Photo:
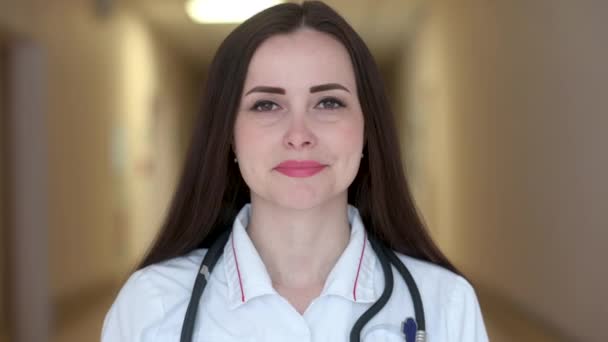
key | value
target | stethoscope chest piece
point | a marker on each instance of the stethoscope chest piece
(409, 328)
(411, 332)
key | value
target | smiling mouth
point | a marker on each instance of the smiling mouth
(300, 169)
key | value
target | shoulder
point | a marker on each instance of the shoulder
(438, 281)
(144, 297)
(161, 278)
(449, 298)
(173, 274)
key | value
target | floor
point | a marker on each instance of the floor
(506, 323)
(86, 324)
(503, 323)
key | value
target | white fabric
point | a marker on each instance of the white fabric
(240, 304)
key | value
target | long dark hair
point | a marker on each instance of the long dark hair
(211, 190)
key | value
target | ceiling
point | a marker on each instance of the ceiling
(383, 24)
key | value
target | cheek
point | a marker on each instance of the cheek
(245, 138)
(252, 145)
(350, 138)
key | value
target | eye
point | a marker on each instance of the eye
(264, 106)
(330, 103)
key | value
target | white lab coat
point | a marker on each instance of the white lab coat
(240, 303)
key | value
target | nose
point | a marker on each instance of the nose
(299, 135)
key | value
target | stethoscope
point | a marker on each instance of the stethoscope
(413, 329)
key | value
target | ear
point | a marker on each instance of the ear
(233, 148)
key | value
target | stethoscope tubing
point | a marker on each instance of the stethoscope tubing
(204, 272)
(355, 332)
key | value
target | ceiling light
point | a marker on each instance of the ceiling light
(225, 11)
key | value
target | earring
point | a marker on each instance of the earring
(235, 160)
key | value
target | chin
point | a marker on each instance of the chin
(300, 195)
(303, 199)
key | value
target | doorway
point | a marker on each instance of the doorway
(24, 282)
(3, 195)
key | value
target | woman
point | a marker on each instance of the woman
(295, 165)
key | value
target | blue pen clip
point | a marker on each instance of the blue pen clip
(409, 329)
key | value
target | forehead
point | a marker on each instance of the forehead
(302, 58)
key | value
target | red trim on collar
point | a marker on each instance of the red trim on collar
(238, 271)
(359, 267)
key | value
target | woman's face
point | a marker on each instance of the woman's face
(299, 129)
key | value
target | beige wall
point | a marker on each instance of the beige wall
(155, 91)
(105, 153)
(511, 101)
(423, 125)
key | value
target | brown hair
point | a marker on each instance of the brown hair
(211, 190)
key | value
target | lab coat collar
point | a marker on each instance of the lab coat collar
(352, 278)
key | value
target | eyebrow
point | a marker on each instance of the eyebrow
(328, 86)
(313, 89)
(265, 89)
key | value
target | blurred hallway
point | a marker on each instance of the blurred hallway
(501, 107)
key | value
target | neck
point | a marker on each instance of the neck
(299, 247)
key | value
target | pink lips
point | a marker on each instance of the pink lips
(303, 168)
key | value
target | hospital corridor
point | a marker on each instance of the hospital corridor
(501, 108)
